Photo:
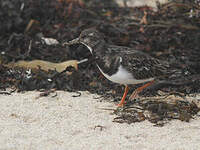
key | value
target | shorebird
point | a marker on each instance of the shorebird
(120, 64)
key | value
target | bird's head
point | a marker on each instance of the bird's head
(91, 38)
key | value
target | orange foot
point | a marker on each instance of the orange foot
(124, 96)
(140, 89)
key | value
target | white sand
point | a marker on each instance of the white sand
(73, 123)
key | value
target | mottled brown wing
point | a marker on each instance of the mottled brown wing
(143, 66)
(140, 64)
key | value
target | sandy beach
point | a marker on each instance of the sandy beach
(30, 122)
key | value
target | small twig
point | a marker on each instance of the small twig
(29, 48)
(46, 93)
(78, 94)
(5, 92)
(133, 107)
(113, 109)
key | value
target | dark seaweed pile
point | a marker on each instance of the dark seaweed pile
(172, 34)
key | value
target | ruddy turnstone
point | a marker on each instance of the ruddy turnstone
(120, 64)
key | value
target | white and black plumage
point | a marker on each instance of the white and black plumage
(120, 64)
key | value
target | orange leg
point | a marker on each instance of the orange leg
(124, 96)
(140, 89)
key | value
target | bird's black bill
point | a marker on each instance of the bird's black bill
(74, 41)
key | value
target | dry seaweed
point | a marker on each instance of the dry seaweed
(157, 110)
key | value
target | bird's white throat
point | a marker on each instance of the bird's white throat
(88, 47)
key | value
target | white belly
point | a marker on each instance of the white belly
(123, 77)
